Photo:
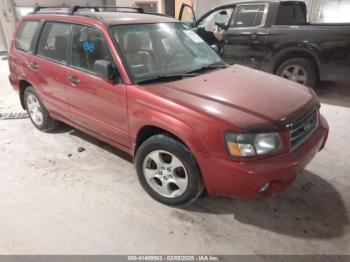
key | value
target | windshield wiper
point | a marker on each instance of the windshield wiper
(208, 67)
(191, 73)
(162, 78)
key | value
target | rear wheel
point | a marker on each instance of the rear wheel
(168, 171)
(37, 112)
(299, 70)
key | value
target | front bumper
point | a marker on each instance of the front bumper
(223, 177)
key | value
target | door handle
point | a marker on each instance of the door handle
(74, 80)
(34, 66)
(254, 37)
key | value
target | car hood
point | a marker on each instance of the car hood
(241, 96)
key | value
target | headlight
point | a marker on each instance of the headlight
(249, 145)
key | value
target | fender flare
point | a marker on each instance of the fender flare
(186, 133)
(307, 50)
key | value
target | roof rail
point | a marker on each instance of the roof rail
(73, 9)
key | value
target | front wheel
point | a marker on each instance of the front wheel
(168, 171)
(299, 70)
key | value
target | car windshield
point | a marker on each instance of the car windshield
(163, 51)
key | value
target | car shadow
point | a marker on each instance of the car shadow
(62, 128)
(334, 93)
(113, 150)
(310, 208)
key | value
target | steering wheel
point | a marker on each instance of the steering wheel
(151, 55)
(222, 26)
(176, 58)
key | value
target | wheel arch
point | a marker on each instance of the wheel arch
(148, 131)
(143, 127)
(305, 53)
(22, 85)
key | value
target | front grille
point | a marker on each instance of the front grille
(303, 129)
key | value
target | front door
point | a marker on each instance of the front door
(97, 104)
(245, 37)
(238, 32)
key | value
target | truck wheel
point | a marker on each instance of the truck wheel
(299, 70)
(168, 171)
(37, 112)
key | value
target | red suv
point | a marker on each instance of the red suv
(150, 86)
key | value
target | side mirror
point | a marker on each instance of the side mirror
(104, 69)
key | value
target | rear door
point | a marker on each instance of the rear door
(244, 39)
(21, 52)
(50, 65)
(95, 103)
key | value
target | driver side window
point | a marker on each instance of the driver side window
(88, 46)
(220, 18)
(249, 15)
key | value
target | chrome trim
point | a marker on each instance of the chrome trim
(296, 127)
(264, 18)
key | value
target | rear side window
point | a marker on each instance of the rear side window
(26, 34)
(291, 14)
(251, 15)
(88, 46)
(53, 41)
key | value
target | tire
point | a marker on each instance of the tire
(168, 187)
(294, 70)
(33, 101)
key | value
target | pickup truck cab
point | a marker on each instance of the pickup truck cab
(150, 86)
(275, 37)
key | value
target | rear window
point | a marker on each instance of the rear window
(291, 14)
(26, 34)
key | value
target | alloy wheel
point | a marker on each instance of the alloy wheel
(34, 110)
(296, 74)
(165, 174)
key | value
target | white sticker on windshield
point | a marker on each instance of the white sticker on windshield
(194, 37)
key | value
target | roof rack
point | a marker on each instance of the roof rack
(73, 9)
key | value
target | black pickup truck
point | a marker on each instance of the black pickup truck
(274, 36)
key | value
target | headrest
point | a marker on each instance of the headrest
(132, 42)
(101, 50)
(60, 43)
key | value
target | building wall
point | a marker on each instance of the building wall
(178, 4)
(131, 3)
(62, 2)
(333, 11)
(7, 23)
(2, 41)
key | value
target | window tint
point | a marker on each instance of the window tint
(25, 35)
(88, 47)
(249, 16)
(291, 14)
(53, 41)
